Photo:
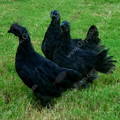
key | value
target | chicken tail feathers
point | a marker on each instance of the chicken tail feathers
(105, 64)
(93, 35)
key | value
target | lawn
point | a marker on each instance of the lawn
(99, 102)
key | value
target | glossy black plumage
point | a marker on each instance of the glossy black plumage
(44, 77)
(87, 58)
(52, 37)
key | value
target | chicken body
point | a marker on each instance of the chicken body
(44, 77)
(88, 57)
(52, 38)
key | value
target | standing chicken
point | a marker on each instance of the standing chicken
(84, 61)
(87, 58)
(52, 37)
(45, 78)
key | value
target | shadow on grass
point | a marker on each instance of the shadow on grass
(41, 103)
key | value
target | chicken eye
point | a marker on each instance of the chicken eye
(24, 36)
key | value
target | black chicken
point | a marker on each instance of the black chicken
(88, 59)
(45, 78)
(52, 37)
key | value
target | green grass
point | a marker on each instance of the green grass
(99, 102)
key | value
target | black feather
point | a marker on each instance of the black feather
(80, 55)
(43, 76)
